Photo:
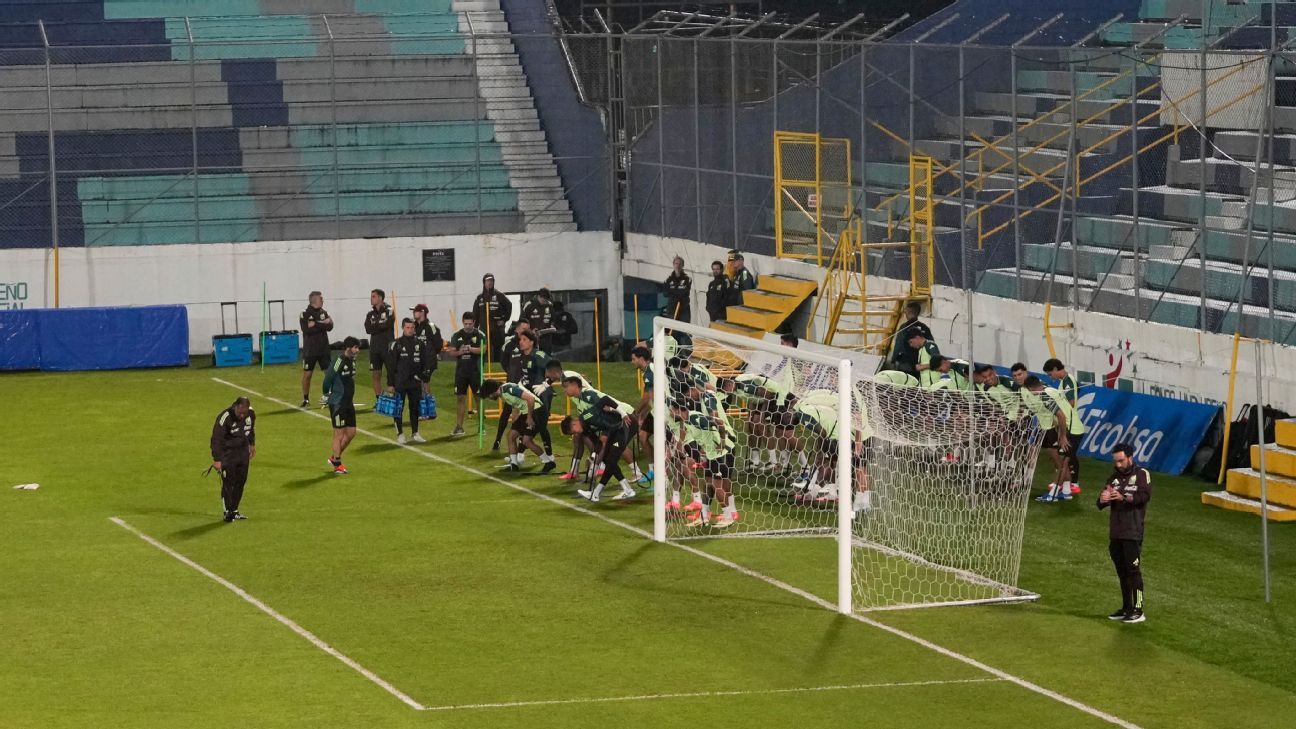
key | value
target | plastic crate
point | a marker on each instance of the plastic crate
(232, 350)
(427, 408)
(279, 347)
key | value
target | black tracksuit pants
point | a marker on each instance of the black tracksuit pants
(233, 478)
(413, 396)
(1126, 556)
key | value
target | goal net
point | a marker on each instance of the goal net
(800, 461)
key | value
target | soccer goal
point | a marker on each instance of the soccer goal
(920, 494)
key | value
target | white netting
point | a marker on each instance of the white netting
(939, 478)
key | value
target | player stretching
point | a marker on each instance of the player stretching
(339, 388)
(532, 420)
(1051, 409)
(705, 448)
(554, 375)
(588, 401)
(603, 418)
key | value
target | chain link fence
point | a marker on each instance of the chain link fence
(1137, 180)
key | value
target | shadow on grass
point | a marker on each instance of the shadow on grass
(302, 483)
(194, 532)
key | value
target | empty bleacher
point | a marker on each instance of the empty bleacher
(183, 121)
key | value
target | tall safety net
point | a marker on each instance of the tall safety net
(929, 487)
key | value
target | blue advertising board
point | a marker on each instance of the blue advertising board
(1164, 433)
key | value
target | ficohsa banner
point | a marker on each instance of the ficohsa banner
(1164, 433)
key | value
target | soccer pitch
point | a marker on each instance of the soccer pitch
(428, 589)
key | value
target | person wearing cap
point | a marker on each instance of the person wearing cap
(679, 290)
(430, 335)
(539, 313)
(741, 280)
(492, 310)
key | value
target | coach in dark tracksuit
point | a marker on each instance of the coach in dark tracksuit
(1126, 494)
(409, 364)
(315, 327)
(233, 445)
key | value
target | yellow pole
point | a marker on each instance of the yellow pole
(598, 347)
(1228, 410)
(1048, 332)
(56, 277)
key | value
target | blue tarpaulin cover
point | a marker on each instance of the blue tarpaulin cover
(95, 338)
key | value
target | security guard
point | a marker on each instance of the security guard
(233, 445)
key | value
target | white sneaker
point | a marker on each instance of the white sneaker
(418, 438)
(625, 494)
(401, 439)
(587, 495)
(723, 522)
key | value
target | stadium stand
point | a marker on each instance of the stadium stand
(436, 131)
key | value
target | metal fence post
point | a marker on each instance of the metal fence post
(661, 140)
(733, 139)
(53, 168)
(697, 142)
(193, 126)
(476, 89)
(1134, 190)
(863, 209)
(333, 128)
(1264, 474)
(1201, 168)
(1077, 170)
(1269, 247)
(961, 181)
(1016, 167)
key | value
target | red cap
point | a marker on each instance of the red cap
(420, 307)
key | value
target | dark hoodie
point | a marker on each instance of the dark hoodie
(501, 310)
(231, 437)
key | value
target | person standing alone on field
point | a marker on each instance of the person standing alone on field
(233, 446)
(315, 326)
(1126, 495)
(379, 325)
(339, 388)
(679, 290)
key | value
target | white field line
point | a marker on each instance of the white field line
(294, 627)
(707, 694)
(968, 660)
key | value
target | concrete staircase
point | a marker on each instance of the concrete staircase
(767, 306)
(507, 102)
(1242, 487)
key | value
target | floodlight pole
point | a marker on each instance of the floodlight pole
(1264, 475)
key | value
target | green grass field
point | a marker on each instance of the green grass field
(497, 600)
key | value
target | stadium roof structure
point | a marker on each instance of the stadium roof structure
(698, 24)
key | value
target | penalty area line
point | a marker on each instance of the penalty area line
(955, 655)
(708, 694)
(289, 622)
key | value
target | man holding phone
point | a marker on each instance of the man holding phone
(1126, 497)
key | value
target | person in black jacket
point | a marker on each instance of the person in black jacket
(717, 293)
(679, 292)
(500, 309)
(565, 323)
(742, 280)
(233, 446)
(539, 314)
(429, 334)
(379, 323)
(903, 357)
(1126, 495)
(407, 369)
(315, 326)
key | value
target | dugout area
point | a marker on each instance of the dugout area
(492, 603)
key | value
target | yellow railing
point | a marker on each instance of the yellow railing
(806, 167)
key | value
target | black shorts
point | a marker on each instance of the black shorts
(344, 415)
(1051, 441)
(376, 360)
(720, 467)
(466, 380)
(310, 361)
(540, 419)
(647, 424)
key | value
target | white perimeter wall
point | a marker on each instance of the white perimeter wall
(1161, 360)
(202, 276)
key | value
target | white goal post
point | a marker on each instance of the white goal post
(923, 492)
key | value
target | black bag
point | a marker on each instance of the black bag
(1244, 433)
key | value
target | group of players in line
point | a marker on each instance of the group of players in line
(702, 436)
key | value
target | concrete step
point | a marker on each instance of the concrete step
(725, 326)
(1233, 502)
